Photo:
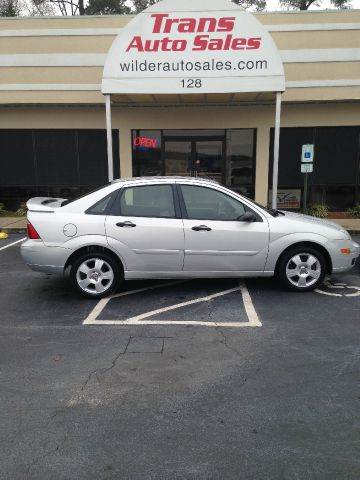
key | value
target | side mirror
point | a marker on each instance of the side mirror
(248, 217)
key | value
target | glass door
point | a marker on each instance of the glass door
(209, 159)
(196, 158)
(178, 157)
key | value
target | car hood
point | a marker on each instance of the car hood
(312, 220)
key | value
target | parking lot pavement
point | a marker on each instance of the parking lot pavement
(109, 400)
(12, 239)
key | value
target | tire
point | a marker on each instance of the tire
(301, 269)
(95, 275)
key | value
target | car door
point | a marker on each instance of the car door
(216, 240)
(146, 229)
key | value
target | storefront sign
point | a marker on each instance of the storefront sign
(145, 142)
(288, 199)
(193, 46)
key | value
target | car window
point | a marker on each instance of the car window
(207, 204)
(148, 201)
(101, 207)
(78, 197)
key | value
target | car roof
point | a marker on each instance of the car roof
(169, 178)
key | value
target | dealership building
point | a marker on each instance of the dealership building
(194, 87)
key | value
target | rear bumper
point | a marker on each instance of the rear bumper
(343, 262)
(41, 258)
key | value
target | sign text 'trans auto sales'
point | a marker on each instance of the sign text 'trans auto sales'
(202, 27)
(185, 46)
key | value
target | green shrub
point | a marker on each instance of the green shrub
(354, 211)
(21, 211)
(2, 207)
(318, 210)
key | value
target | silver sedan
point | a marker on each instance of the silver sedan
(169, 227)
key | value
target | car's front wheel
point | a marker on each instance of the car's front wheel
(302, 269)
(95, 275)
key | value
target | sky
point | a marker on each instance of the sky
(272, 5)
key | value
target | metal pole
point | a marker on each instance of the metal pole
(276, 150)
(109, 138)
(305, 192)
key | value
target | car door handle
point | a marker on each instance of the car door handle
(126, 224)
(200, 228)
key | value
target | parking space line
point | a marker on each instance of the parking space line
(99, 307)
(249, 306)
(180, 305)
(344, 286)
(13, 243)
(143, 318)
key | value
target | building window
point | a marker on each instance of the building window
(53, 163)
(240, 163)
(335, 179)
(146, 153)
(227, 156)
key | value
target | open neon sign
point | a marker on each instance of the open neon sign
(145, 142)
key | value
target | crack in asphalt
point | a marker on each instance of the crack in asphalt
(224, 342)
(219, 329)
(96, 372)
(45, 454)
(74, 402)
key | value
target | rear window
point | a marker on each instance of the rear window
(71, 200)
(102, 206)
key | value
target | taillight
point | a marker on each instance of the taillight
(32, 233)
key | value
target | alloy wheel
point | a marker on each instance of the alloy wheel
(303, 270)
(94, 276)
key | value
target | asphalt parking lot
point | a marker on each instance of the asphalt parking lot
(215, 379)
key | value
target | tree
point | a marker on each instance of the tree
(107, 7)
(140, 5)
(10, 8)
(79, 7)
(305, 4)
(258, 5)
(66, 7)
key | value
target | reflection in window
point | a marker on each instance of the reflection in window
(240, 171)
(335, 181)
(148, 201)
(177, 158)
(62, 163)
(100, 207)
(146, 153)
(207, 204)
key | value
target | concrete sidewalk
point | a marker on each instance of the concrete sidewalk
(12, 224)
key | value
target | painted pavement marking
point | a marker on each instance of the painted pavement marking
(143, 319)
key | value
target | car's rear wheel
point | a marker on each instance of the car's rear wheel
(302, 269)
(95, 275)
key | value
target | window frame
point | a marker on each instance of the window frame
(185, 214)
(116, 208)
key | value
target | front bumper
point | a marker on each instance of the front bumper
(342, 262)
(42, 258)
